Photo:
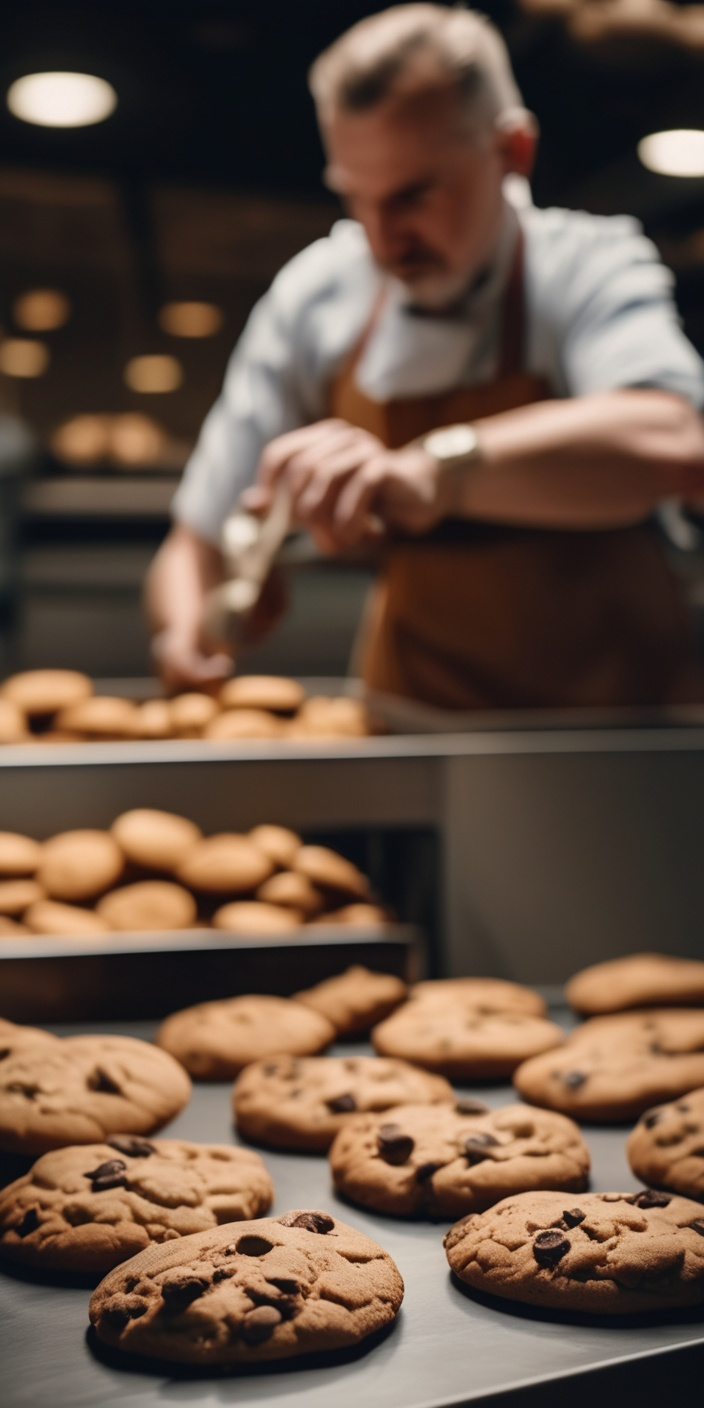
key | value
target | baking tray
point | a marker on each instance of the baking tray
(123, 976)
(446, 1348)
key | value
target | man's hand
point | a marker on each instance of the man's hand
(182, 663)
(343, 480)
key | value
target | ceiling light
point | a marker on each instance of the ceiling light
(22, 356)
(153, 373)
(676, 153)
(41, 310)
(61, 99)
(136, 440)
(191, 319)
(82, 440)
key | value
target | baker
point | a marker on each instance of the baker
(505, 391)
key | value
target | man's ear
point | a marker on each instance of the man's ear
(517, 131)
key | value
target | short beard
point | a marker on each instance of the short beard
(435, 293)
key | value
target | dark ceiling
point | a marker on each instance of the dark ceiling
(212, 95)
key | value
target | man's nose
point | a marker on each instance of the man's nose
(384, 231)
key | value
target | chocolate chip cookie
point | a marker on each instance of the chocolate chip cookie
(214, 1040)
(640, 980)
(88, 1207)
(612, 1068)
(666, 1148)
(355, 1000)
(301, 1102)
(443, 1161)
(79, 1089)
(462, 1042)
(300, 1284)
(606, 1253)
(481, 994)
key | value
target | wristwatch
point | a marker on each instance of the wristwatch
(453, 445)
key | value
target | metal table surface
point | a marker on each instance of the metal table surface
(445, 1348)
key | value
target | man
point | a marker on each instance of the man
(517, 565)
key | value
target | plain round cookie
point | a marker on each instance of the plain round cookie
(148, 905)
(19, 855)
(256, 917)
(88, 1207)
(606, 1253)
(191, 713)
(612, 1068)
(331, 871)
(277, 842)
(244, 723)
(273, 692)
(324, 717)
(53, 917)
(13, 725)
(355, 1000)
(292, 891)
(438, 1161)
(102, 716)
(640, 980)
(666, 1148)
(358, 916)
(264, 1290)
(481, 994)
(17, 895)
(225, 864)
(79, 865)
(38, 692)
(463, 1043)
(301, 1103)
(83, 1089)
(154, 839)
(215, 1040)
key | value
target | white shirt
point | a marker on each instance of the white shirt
(599, 315)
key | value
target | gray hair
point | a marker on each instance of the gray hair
(419, 44)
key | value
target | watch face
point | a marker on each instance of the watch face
(451, 441)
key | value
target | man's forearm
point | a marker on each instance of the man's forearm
(184, 570)
(587, 462)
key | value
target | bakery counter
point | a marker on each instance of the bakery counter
(446, 1348)
(556, 847)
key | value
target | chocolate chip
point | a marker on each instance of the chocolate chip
(132, 1146)
(251, 1245)
(21, 1087)
(683, 1109)
(655, 1049)
(29, 1223)
(271, 1069)
(260, 1324)
(342, 1104)
(697, 1226)
(573, 1079)
(394, 1146)
(285, 1284)
(313, 1222)
(119, 1315)
(651, 1118)
(177, 1295)
(100, 1080)
(426, 1171)
(285, 1305)
(220, 1275)
(475, 1147)
(467, 1105)
(549, 1248)
(111, 1174)
(573, 1216)
(649, 1199)
(4, 1053)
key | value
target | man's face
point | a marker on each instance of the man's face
(428, 194)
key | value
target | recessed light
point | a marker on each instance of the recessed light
(61, 99)
(82, 439)
(191, 319)
(679, 152)
(41, 310)
(153, 373)
(22, 356)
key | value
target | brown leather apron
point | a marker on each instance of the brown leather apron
(483, 616)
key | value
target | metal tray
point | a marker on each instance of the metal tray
(447, 1347)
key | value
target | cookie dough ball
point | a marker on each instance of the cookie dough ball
(148, 905)
(278, 843)
(19, 855)
(191, 713)
(251, 917)
(331, 871)
(103, 716)
(153, 720)
(244, 723)
(225, 864)
(273, 692)
(13, 728)
(79, 865)
(292, 891)
(40, 692)
(154, 839)
(17, 895)
(49, 917)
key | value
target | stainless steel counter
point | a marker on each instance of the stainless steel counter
(447, 1348)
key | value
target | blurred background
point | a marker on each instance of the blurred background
(135, 241)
